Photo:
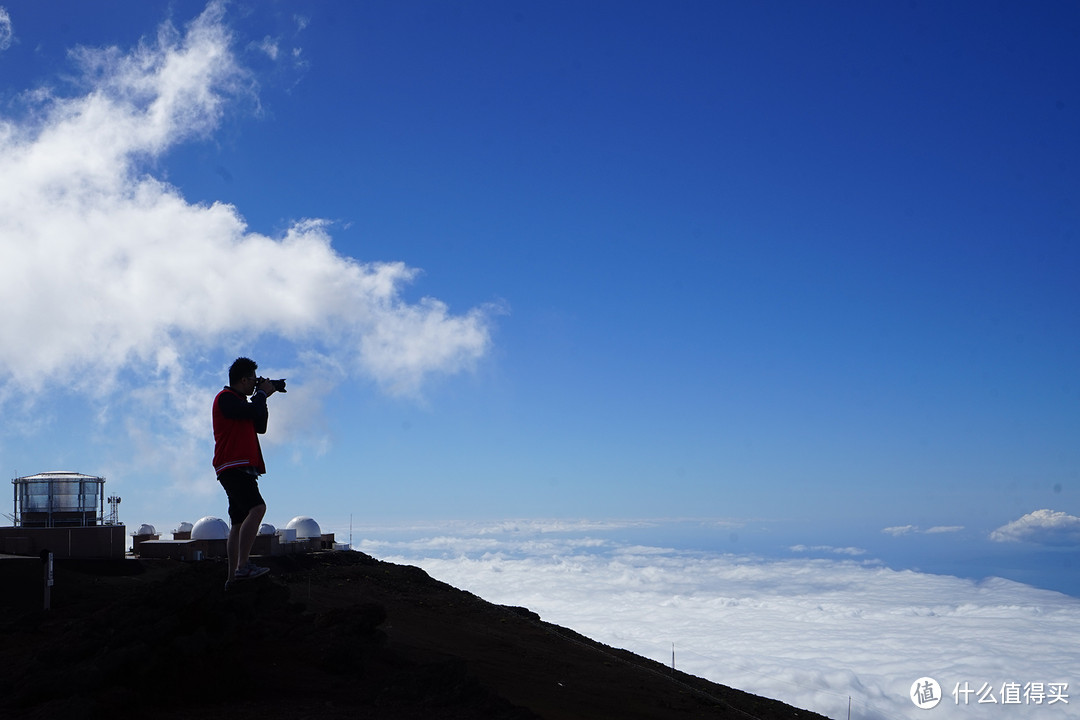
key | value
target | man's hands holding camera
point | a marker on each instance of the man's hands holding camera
(269, 387)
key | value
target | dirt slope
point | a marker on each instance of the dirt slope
(330, 635)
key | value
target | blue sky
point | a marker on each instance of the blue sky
(809, 268)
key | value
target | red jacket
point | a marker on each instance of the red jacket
(237, 426)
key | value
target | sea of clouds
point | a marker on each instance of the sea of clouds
(816, 633)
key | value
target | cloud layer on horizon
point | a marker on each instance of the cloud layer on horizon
(811, 632)
(901, 530)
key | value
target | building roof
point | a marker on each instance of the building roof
(57, 475)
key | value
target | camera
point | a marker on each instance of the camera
(279, 385)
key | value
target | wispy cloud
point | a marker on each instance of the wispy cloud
(812, 632)
(1042, 527)
(267, 45)
(527, 526)
(901, 530)
(517, 528)
(109, 271)
(7, 33)
(852, 551)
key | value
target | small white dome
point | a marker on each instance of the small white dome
(210, 528)
(184, 527)
(145, 529)
(305, 527)
(267, 529)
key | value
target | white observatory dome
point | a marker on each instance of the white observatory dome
(267, 529)
(210, 528)
(145, 529)
(184, 527)
(305, 527)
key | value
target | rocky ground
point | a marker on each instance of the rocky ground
(328, 635)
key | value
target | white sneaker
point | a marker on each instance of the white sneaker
(248, 571)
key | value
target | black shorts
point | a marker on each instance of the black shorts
(242, 489)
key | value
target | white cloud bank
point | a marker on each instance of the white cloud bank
(811, 632)
(116, 289)
(106, 267)
(1042, 527)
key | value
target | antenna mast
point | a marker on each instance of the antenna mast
(114, 509)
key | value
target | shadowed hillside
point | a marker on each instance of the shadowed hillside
(331, 635)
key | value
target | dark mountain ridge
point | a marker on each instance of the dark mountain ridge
(326, 635)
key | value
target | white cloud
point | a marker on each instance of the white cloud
(811, 632)
(852, 551)
(7, 33)
(1042, 527)
(105, 266)
(269, 46)
(526, 526)
(110, 274)
(900, 530)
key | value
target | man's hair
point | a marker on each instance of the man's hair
(241, 368)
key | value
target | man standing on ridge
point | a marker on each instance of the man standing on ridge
(238, 460)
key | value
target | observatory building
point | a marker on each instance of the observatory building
(59, 499)
(63, 512)
(207, 539)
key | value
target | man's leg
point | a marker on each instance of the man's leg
(233, 546)
(245, 536)
(243, 492)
